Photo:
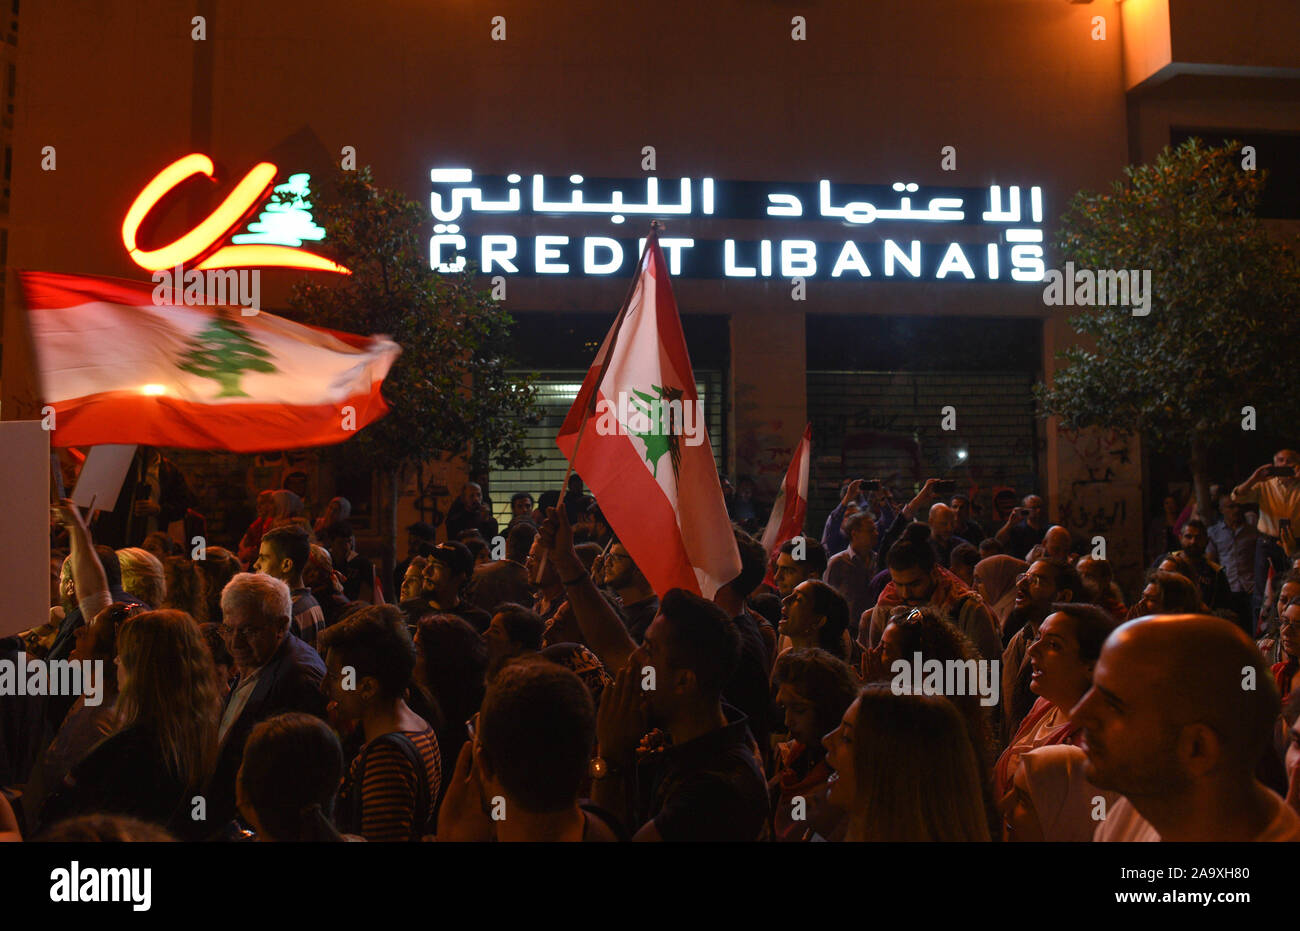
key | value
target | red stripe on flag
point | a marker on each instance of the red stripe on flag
(168, 421)
(54, 291)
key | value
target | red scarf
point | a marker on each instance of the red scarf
(948, 590)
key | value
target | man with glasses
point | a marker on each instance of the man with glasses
(1232, 545)
(1284, 672)
(623, 578)
(277, 672)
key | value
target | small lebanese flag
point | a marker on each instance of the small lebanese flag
(118, 368)
(649, 463)
(791, 505)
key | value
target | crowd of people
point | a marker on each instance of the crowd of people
(527, 682)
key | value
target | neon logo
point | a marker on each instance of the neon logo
(271, 241)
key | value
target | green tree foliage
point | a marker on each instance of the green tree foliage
(1224, 309)
(448, 392)
(223, 351)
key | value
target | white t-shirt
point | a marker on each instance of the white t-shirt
(1124, 824)
(1277, 501)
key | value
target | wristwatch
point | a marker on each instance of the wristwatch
(600, 768)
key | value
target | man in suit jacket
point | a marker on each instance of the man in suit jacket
(278, 672)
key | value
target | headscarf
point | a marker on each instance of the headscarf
(999, 574)
(287, 504)
(1061, 794)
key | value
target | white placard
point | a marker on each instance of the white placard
(24, 525)
(101, 477)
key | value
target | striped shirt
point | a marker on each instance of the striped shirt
(389, 793)
(308, 618)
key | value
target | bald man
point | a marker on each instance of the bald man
(1057, 544)
(1180, 713)
(1024, 527)
(943, 537)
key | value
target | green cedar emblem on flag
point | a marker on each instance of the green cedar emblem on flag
(223, 351)
(662, 436)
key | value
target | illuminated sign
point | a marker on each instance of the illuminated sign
(986, 234)
(271, 241)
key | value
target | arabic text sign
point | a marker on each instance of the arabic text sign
(1001, 228)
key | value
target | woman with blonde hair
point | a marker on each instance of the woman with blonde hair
(905, 770)
(143, 576)
(165, 744)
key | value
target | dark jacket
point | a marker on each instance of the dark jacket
(290, 681)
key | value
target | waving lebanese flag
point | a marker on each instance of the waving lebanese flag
(636, 435)
(791, 505)
(117, 368)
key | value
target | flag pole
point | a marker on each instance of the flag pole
(655, 227)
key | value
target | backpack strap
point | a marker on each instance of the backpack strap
(408, 749)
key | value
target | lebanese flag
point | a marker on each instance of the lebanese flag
(791, 505)
(118, 368)
(654, 478)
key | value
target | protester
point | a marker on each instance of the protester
(967, 527)
(708, 785)
(392, 785)
(1167, 593)
(996, 582)
(420, 540)
(1023, 528)
(85, 725)
(451, 666)
(1284, 671)
(1099, 586)
(962, 562)
(142, 576)
(164, 746)
(917, 580)
(815, 615)
(850, 571)
(1167, 724)
(448, 578)
(283, 554)
(1278, 497)
(813, 690)
(326, 586)
(624, 578)
(531, 749)
(277, 672)
(1051, 798)
(1061, 661)
(1232, 543)
(469, 512)
(514, 631)
(217, 570)
(252, 538)
(1043, 585)
(289, 778)
(1209, 576)
(905, 770)
(359, 578)
(338, 509)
